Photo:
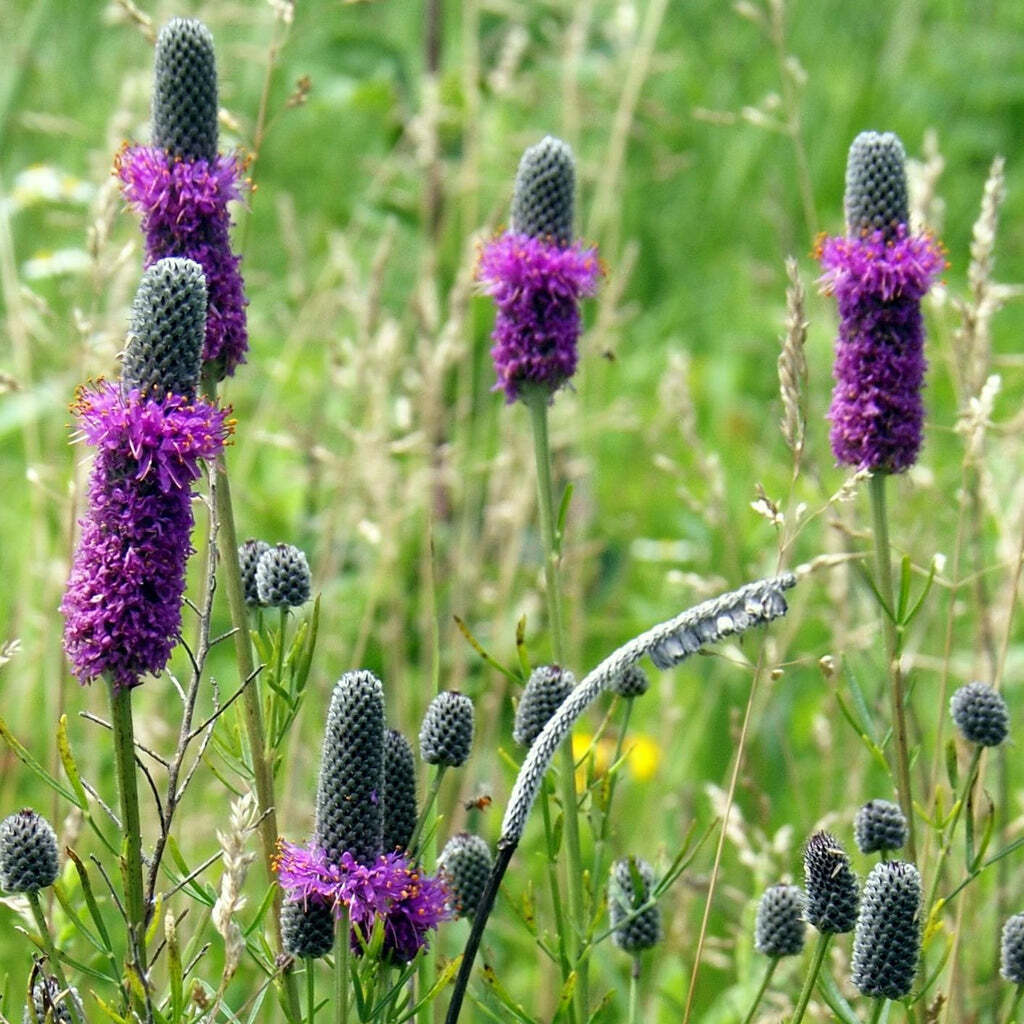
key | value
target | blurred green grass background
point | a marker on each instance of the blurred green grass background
(366, 428)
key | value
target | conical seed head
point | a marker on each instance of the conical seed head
(546, 689)
(979, 712)
(830, 885)
(779, 929)
(307, 928)
(465, 865)
(446, 734)
(185, 91)
(249, 555)
(167, 330)
(28, 853)
(631, 683)
(349, 812)
(876, 184)
(879, 825)
(629, 888)
(542, 203)
(50, 1005)
(887, 943)
(399, 792)
(283, 578)
(1011, 950)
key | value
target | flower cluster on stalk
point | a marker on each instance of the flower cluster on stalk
(393, 890)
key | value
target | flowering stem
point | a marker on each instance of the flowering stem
(765, 982)
(341, 968)
(876, 1014)
(947, 837)
(51, 952)
(893, 643)
(310, 991)
(428, 803)
(1011, 1017)
(556, 895)
(227, 545)
(634, 978)
(812, 976)
(128, 791)
(536, 400)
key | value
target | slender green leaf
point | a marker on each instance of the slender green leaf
(23, 755)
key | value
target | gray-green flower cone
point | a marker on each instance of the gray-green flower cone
(629, 888)
(307, 929)
(185, 91)
(779, 929)
(887, 942)
(465, 864)
(349, 811)
(399, 791)
(876, 184)
(830, 885)
(28, 853)
(446, 733)
(546, 689)
(545, 189)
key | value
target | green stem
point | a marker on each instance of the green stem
(876, 1014)
(227, 545)
(341, 969)
(278, 672)
(536, 399)
(128, 791)
(893, 637)
(947, 835)
(556, 895)
(765, 981)
(812, 976)
(634, 979)
(310, 991)
(51, 952)
(1011, 1017)
(428, 803)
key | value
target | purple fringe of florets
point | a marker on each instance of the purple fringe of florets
(184, 208)
(536, 285)
(122, 605)
(409, 902)
(877, 412)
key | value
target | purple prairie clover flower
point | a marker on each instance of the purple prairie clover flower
(122, 605)
(536, 285)
(393, 890)
(184, 208)
(537, 275)
(878, 276)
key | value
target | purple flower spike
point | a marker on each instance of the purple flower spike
(122, 605)
(877, 412)
(878, 273)
(392, 889)
(184, 208)
(536, 285)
